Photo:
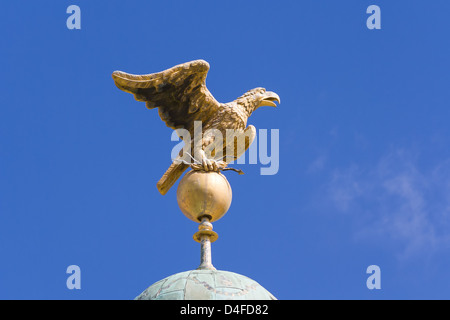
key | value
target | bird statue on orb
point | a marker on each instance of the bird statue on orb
(183, 100)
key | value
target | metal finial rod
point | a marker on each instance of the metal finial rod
(205, 236)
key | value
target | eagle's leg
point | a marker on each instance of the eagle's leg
(208, 164)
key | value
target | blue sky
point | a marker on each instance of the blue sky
(364, 176)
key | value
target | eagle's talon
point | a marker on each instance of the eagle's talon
(210, 165)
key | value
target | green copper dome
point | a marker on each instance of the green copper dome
(206, 285)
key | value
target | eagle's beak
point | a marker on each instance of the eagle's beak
(269, 99)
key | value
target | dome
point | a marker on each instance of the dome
(206, 285)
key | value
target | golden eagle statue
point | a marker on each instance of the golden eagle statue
(182, 99)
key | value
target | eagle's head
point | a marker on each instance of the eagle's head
(258, 97)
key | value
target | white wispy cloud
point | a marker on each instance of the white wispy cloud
(399, 200)
(317, 165)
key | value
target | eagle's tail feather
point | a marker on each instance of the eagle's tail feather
(171, 176)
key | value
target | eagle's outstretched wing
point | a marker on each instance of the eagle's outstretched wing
(180, 93)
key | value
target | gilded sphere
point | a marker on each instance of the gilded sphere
(203, 194)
